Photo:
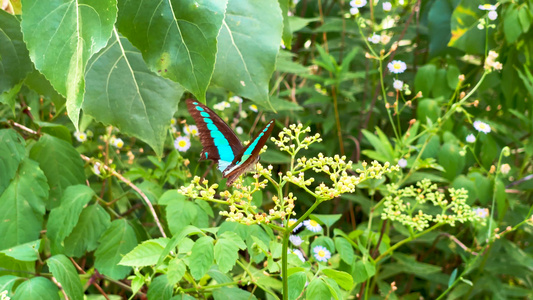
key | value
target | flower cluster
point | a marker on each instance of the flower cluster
(404, 205)
(491, 63)
(293, 133)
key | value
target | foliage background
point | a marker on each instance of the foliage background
(79, 217)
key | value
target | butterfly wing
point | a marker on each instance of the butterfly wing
(219, 142)
(247, 158)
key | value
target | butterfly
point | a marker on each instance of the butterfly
(221, 145)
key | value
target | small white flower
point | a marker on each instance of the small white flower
(296, 240)
(312, 225)
(505, 168)
(481, 212)
(397, 66)
(471, 138)
(236, 99)
(239, 130)
(298, 253)
(253, 108)
(358, 3)
(222, 105)
(482, 127)
(354, 10)
(191, 129)
(401, 2)
(182, 143)
(119, 143)
(493, 15)
(387, 6)
(402, 163)
(80, 136)
(173, 121)
(375, 38)
(96, 168)
(291, 222)
(487, 7)
(243, 114)
(321, 253)
(397, 84)
(385, 39)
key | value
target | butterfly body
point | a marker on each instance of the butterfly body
(221, 145)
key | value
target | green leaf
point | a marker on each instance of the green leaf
(425, 78)
(61, 36)
(22, 205)
(180, 213)
(118, 240)
(122, 92)
(65, 273)
(248, 44)
(145, 254)
(7, 282)
(25, 252)
(439, 26)
(287, 32)
(525, 17)
(160, 288)
(384, 151)
(363, 269)
(318, 290)
(411, 266)
(465, 34)
(327, 220)
(37, 288)
(452, 277)
(15, 61)
(296, 284)
(451, 160)
(12, 152)
(182, 43)
(64, 218)
(226, 250)
(226, 293)
(343, 279)
(11, 266)
(345, 249)
(92, 223)
(61, 164)
(176, 270)
(37, 82)
(10, 97)
(201, 258)
(511, 24)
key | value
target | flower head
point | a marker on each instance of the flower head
(253, 108)
(239, 130)
(222, 105)
(471, 138)
(291, 222)
(321, 253)
(191, 129)
(96, 168)
(80, 136)
(493, 15)
(387, 6)
(482, 127)
(358, 3)
(505, 168)
(402, 163)
(397, 84)
(298, 253)
(182, 143)
(375, 38)
(119, 143)
(481, 212)
(487, 7)
(312, 225)
(296, 240)
(397, 66)
(236, 99)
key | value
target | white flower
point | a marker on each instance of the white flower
(173, 121)
(182, 143)
(291, 222)
(397, 84)
(385, 39)
(96, 168)
(253, 108)
(387, 6)
(505, 168)
(3, 295)
(354, 10)
(119, 143)
(481, 212)
(401, 2)
(296, 240)
(80, 136)
(236, 99)
(321, 253)
(243, 114)
(312, 225)
(471, 138)
(191, 129)
(397, 66)
(298, 253)
(402, 163)
(375, 38)
(482, 127)
(358, 3)
(493, 15)
(487, 7)
(222, 105)
(239, 130)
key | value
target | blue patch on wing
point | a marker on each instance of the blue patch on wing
(204, 114)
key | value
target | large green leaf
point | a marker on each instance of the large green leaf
(296, 284)
(65, 217)
(145, 254)
(118, 240)
(12, 266)
(227, 293)
(15, 62)
(177, 38)
(12, 152)
(65, 273)
(22, 205)
(317, 289)
(123, 92)
(227, 250)
(202, 256)
(37, 288)
(92, 223)
(248, 44)
(439, 26)
(160, 288)
(25, 252)
(465, 34)
(61, 36)
(61, 164)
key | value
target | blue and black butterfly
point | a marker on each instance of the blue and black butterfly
(221, 145)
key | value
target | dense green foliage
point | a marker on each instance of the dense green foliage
(409, 174)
